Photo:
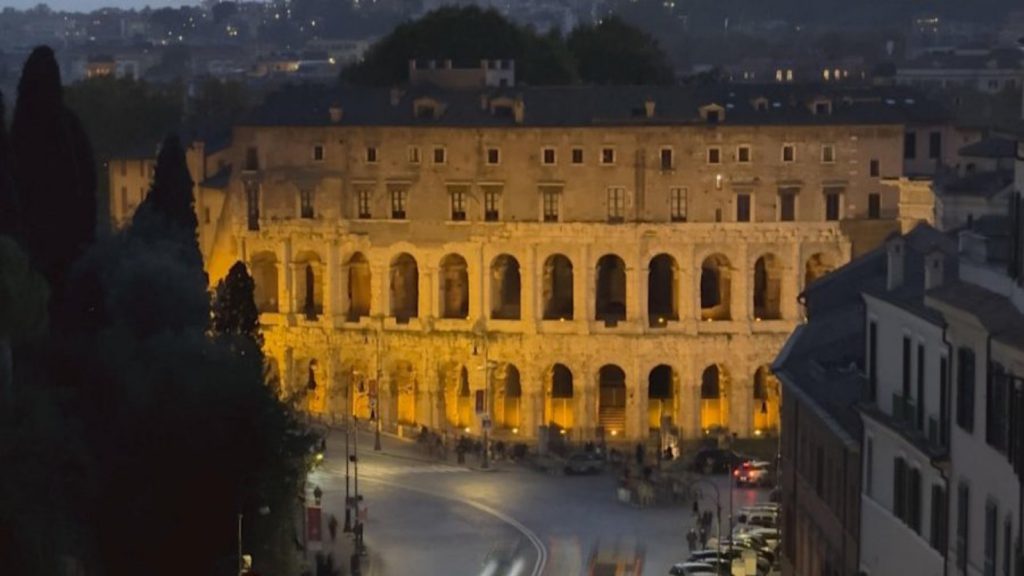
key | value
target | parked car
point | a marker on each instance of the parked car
(754, 473)
(757, 519)
(692, 569)
(584, 463)
(770, 536)
(716, 461)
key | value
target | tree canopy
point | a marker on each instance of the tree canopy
(613, 52)
(234, 305)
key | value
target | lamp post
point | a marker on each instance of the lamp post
(348, 498)
(481, 334)
(376, 396)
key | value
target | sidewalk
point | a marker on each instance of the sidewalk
(393, 446)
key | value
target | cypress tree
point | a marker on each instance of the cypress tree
(53, 169)
(8, 206)
(234, 305)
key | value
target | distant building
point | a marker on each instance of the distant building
(981, 184)
(490, 73)
(984, 70)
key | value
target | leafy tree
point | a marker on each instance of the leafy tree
(218, 105)
(613, 52)
(8, 203)
(54, 174)
(234, 305)
(23, 297)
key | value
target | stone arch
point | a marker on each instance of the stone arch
(506, 288)
(611, 404)
(715, 288)
(265, 276)
(766, 403)
(402, 386)
(457, 395)
(508, 397)
(818, 265)
(559, 409)
(558, 288)
(309, 284)
(404, 288)
(662, 290)
(610, 304)
(768, 287)
(454, 278)
(714, 398)
(358, 286)
(359, 389)
(661, 392)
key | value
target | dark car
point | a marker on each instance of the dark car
(584, 463)
(716, 461)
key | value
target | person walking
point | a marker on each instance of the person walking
(691, 539)
(703, 537)
(332, 527)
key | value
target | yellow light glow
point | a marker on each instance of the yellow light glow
(615, 432)
(562, 432)
(758, 432)
(515, 430)
(466, 429)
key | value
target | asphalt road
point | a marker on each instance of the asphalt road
(430, 518)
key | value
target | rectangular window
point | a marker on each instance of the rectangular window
(743, 207)
(414, 154)
(550, 198)
(252, 158)
(548, 156)
(965, 389)
(666, 159)
(363, 203)
(206, 214)
(677, 204)
(905, 380)
(899, 488)
(124, 200)
(997, 400)
(914, 499)
(869, 466)
(440, 155)
(909, 146)
(940, 523)
(607, 156)
(493, 156)
(832, 206)
(874, 206)
(399, 195)
(963, 510)
(787, 206)
(944, 401)
(306, 203)
(318, 153)
(788, 153)
(828, 153)
(458, 200)
(577, 155)
(371, 154)
(252, 205)
(1007, 545)
(492, 203)
(934, 145)
(743, 154)
(919, 398)
(873, 361)
(874, 168)
(714, 155)
(991, 536)
(616, 204)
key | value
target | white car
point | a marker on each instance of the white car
(692, 569)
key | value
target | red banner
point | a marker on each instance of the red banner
(313, 524)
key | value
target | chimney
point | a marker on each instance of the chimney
(896, 253)
(649, 108)
(335, 113)
(934, 270)
(519, 110)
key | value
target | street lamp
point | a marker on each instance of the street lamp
(481, 333)
(376, 393)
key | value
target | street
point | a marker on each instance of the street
(428, 518)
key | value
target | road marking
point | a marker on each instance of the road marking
(542, 552)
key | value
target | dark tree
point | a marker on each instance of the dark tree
(170, 195)
(613, 52)
(8, 203)
(234, 305)
(54, 174)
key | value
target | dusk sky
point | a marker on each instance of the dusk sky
(89, 5)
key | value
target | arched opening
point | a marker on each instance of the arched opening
(359, 391)
(264, 275)
(560, 394)
(454, 287)
(358, 287)
(660, 393)
(611, 289)
(314, 386)
(768, 288)
(505, 288)
(766, 401)
(662, 290)
(403, 393)
(508, 397)
(611, 408)
(309, 285)
(404, 288)
(714, 399)
(817, 266)
(715, 288)
(457, 397)
(558, 299)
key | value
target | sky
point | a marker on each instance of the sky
(90, 5)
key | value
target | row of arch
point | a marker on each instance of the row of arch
(557, 286)
(560, 396)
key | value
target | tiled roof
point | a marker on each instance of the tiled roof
(1003, 321)
(992, 147)
(554, 106)
(981, 184)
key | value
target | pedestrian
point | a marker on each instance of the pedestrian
(703, 538)
(639, 454)
(332, 527)
(691, 539)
